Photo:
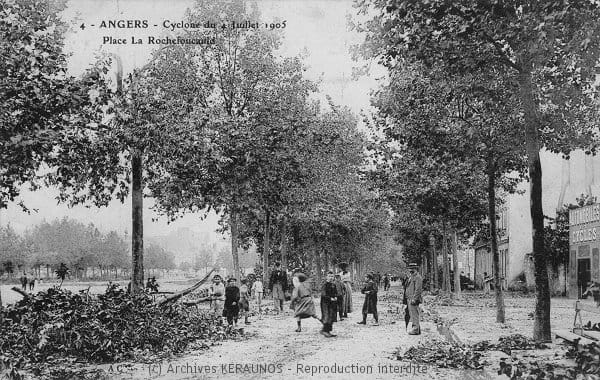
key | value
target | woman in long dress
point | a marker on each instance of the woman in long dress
(302, 302)
(370, 304)
(347, 301)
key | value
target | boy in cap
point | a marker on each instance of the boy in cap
(329, 305)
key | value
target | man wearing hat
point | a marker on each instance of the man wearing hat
(278, 285)
(414, 289)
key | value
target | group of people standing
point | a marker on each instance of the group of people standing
(336, 299)
(227, 300)
(230, 300)
(27, 281)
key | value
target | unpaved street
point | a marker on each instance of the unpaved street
(271, 342)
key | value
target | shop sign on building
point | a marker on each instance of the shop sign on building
(584, 243)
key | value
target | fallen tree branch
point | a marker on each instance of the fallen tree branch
(196, 302)
(21, 292)
(178, 295)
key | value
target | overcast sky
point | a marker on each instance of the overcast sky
(317, 26)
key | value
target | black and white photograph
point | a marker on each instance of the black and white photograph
(299, 189)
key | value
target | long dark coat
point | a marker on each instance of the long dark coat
(232, 294)
(329, 308)
(405, 300)
(370, 292)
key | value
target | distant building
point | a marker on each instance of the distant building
(562, 182)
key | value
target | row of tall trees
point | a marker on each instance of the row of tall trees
(80, 247)
(494, 82)
(228, 126)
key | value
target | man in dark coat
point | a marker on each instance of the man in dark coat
(414, 289)
(340, 291)
(278, 284)
(329, 305)
(24, 281)
(370, 304)
(405, 300)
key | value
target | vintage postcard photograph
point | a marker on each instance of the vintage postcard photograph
(299, 189)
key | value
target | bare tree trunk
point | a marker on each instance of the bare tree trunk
(266, 247)
(233, 225)
(319, 266)
(284, 244)
(541, 326)
(137, 228)
(500, 314)
(446, 264)
(455, 263)
(434, 263)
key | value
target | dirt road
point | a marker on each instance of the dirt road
(272, 350)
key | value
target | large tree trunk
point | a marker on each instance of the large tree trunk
(233, 225)
(432, 266)
(318, 264)
(266, 247)
(137, 223)
(172, 298)
(541, 326)
(500, 315)
(455, 263)
(284, 245)
(435, 262)
(446, 265)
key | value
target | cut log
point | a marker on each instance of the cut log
(21, 292)
(595, 335)
(572, 337)
(178, 295)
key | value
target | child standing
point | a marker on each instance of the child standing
(244, 302)
(232, 307)
(217, 295)
(370, 305)
(329, 305)
(302, 302)
(257, 289)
